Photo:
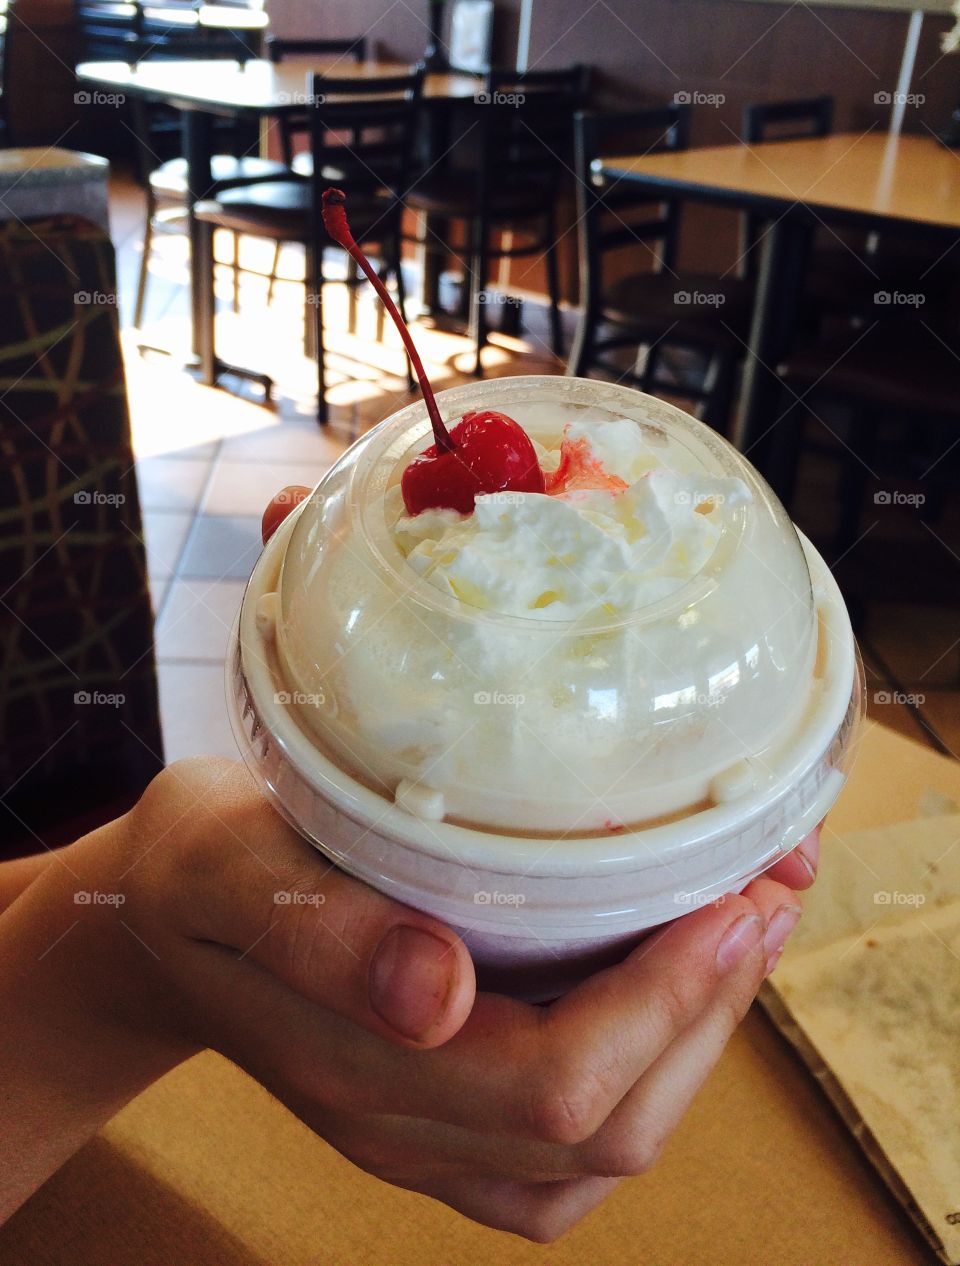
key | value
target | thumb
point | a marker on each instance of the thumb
(402, 975)
(394, 971)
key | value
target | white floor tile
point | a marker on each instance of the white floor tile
(222, 546)
(197, 619)
(171, 483)
(246, 487)
(193, 711)
(165, 532)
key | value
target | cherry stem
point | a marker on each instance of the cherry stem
(335, 222)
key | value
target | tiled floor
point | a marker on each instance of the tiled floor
(208, 461)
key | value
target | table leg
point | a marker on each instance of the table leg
(196, 128)
(776, 305)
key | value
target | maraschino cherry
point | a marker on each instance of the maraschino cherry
(484, 452)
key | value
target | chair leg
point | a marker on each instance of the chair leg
(145, 260)
(274, 268)
(648, 380)
(478, 295)
(719, 392)
(783, 464)
(235, 265)
(854, 478)
(582, 348)
(353, 285)
(396, 266)
(553, 283)
(315, 282)
(208, 305)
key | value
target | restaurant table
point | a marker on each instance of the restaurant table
(206, 1169)
(907, 185)
(202, 89)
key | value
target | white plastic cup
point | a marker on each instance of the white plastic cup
(539, 911)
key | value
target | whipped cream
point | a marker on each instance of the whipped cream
(606, 550)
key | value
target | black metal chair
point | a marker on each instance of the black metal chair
(897, 380)
(652, 307)
(522, 128)
(293, 124)
(378, 118)
(5, 10)
(807, 118)
(165, 182)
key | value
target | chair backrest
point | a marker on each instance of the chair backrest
(107, 30)
(807, 118)
(364, 128)
(786, 120)
(294, 123)
(613, 216)
(525, 125)
(276, 49)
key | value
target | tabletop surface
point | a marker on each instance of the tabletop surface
(258, 84)
(206, 1168)
(872, 173)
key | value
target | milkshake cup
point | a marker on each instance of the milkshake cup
(561, 721)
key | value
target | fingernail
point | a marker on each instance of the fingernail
(808, 864)
(742, 936)
(784, 920)
(411, 977)
(772, 961)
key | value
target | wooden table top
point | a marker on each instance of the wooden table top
(206, 1168)
(871, 174)
(256, 85)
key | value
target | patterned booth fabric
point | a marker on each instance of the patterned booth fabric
(79, 725)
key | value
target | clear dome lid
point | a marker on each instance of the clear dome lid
(545, 671)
